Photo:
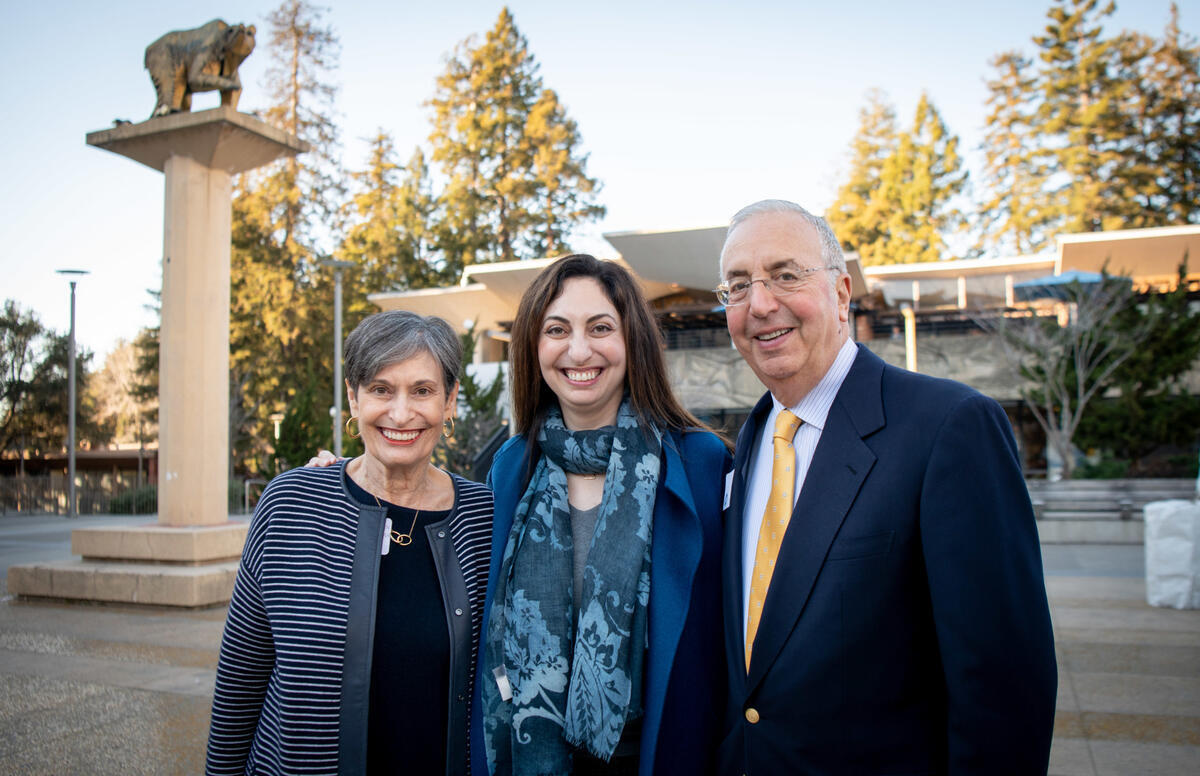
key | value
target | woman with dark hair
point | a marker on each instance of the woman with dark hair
(350, 640)
(602, 649)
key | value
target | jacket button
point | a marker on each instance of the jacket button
(441, 534)
(458, 612)
(752, 716)
(461, 698)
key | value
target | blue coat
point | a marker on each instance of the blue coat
(906, 629)
(684, 691)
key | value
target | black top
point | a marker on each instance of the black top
(410, 670)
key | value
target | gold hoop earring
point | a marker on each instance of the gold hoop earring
(448, 434)
(350, 433)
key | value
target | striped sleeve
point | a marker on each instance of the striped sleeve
(244, 667)
(278, 689)
(471, 532)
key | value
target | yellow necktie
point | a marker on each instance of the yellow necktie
(774, 522)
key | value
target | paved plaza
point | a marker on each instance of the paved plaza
(100, 689)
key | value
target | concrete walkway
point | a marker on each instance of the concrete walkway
(123, 690)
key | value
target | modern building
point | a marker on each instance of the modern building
(920, 316)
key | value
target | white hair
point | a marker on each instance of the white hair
(831, 249)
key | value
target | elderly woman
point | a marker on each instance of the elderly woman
(603, 648)
(349, 646)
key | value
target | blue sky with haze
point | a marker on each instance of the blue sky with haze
(688, 110)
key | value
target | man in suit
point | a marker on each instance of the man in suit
(890, 617)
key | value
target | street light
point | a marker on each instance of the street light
(72, 276)
(338, 388)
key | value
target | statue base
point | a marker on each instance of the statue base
(151, 564)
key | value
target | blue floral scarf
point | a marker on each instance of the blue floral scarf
(571, 685)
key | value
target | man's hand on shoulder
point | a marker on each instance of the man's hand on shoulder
(322, 459)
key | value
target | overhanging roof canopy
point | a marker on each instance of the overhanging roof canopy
(691, 258)
(488, 295)
(686, 257)
(1142, 254)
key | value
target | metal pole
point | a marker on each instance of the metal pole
(338, 387)
(72, 276)
(337, 362)
(71, 512)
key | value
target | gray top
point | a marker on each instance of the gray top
(583, 525)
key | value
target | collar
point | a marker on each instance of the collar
(813, 409)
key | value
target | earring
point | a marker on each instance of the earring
(350, 433)
(448, 434)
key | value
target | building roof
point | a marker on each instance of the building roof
(960, 267)
(668, 262)
(1146, 255)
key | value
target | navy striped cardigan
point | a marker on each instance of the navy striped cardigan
(293, 678)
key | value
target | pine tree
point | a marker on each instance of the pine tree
(1160, 100)
(284, 218)
(917, 184)
(564, 193)
(1014, 215)
(390, 214)
(855, 215)
(491, 120)
(1078, 116)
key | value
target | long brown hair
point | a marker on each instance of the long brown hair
(649, 390)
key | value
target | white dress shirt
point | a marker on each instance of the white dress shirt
(813, 409)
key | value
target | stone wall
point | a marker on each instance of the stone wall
(718, 378)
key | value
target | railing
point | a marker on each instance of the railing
(483, 460)
(1099, 511)
(98, 493)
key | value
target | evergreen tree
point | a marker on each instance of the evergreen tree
(1080, 120)
(390, 215)
(895, 206)
(1153, 406)
(917, 184)
(856, 215)
(491, 119)
(1099, 132)
(1160, 100)
(479, 417)
(564, 192)
(283, 215)
(1013, 215)
(305, 427)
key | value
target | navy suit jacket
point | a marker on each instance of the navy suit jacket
(684, 686)
(906, 629)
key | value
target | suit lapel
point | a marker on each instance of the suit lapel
(839, 467)
(731, 553)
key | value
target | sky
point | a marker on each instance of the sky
(688, 109)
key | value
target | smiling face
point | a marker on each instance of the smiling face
(789, 341)
(401, 410)
(581, 352)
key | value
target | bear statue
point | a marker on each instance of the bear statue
(201, 60)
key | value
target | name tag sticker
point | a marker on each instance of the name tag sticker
(728, 490)
(387, 536)
(502, 682)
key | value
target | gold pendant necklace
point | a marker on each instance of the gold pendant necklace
(405, 539)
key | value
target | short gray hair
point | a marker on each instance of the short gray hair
(393, 336)
(831, 249)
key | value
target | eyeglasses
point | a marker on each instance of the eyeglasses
(782, 282)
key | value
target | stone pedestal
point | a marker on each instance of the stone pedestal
(194, 543)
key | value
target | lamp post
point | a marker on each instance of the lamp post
(72, 276)
(338, 388)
